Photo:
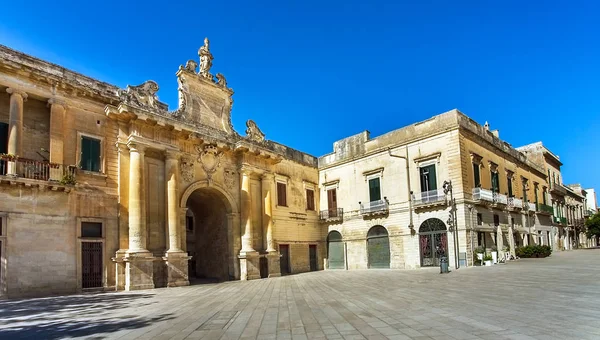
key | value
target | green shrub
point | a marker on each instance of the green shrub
(488, 257)
(479, 250)
(68, 179)
(533, 251)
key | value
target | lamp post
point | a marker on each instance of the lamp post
(452, 219)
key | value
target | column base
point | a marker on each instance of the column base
(274, 266)
(249, 265)
(177, 269)
(139, 271)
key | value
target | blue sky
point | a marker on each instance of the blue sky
(333, 69)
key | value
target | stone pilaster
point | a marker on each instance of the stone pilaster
(139, 267)
(176, 258)
(249, 259)
(273, 256)
(15, 126)
(57, 118)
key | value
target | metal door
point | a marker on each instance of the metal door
(433, 242)
(284, 250)
(91, 263)
(335, 251)
(378, 248)
(312, 252)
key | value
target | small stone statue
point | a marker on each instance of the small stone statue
(205, 59)
(253, 132)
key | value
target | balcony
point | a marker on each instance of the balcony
(560, 220)
(545, 209)
(557, 188)
(480, 194)
(379, 207)
(500, 198)
(31, 172)
(529, 206)
(588, 213)
(515, 203)
(429, 198)
(331, 215)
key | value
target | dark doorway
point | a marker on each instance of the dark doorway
(207, 236)
(284, 250)
(433, 242)
(91, 264)
(335, 251)
(378, 247)
(264, 267)
(312, 252)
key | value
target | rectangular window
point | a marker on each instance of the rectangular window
(544, 196)
(495, 181)
(91, 229)
(512, 221)
(3, 138)
(496, 220)
(281, 194)
(90, 154)
(525, 191)
(428, 178)
(479, 219)
(310, 199)
(536, 191)
(374, 189)
(476, 177)
(189, 223)
(509, 184)
(481, 239)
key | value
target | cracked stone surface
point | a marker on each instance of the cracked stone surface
(553, 298)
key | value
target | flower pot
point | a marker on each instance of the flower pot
(494, 257)
(488, 263)
(480, 256)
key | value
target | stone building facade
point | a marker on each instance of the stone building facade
(437, 188)
(106, 188)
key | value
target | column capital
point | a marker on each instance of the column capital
(135, 147)
(14, 91)
(246, 169)
(267, 176)
(56, 102)
(172, 154)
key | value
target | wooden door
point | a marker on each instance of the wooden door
(284, 261)
(312, 252)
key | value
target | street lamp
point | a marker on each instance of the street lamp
(452, 222)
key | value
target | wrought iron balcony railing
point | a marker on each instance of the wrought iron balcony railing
(32, 169)
(331, 214)
(429, 197)
(545, 209)
(500, 198)
(374, 207)
(560, 220)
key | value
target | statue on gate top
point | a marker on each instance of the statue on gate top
(206, 59)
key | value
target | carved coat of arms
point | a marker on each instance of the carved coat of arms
(229, 178)
(210, 158)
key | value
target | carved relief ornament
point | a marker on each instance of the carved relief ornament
(253, 132)
(229, 178)
(143, 95)
(187, 169)
(210, 159)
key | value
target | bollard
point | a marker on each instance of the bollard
(443, 265)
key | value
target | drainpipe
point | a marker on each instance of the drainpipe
(410, 225)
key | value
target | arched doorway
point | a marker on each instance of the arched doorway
(335, 251)
(378, 247)
(208, 235)
(433, 242)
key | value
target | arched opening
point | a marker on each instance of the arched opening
(335, 251)
(378, 248)
(207, 235)
(433, 242)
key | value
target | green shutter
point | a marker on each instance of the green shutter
(374, 189)
(476, 175)
(432, 178)
(90, 154)
(95, 155)
(85, 153)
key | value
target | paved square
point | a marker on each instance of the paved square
(552, 298)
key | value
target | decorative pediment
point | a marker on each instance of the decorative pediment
(475, 158)
(142, 96)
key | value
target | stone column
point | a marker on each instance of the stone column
(273, 254)
(15, 126)
(176, 258)
(139, 261)
(57, 118)
(249, 260)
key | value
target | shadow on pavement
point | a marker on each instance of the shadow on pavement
(89, 316)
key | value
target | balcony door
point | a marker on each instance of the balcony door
(3, 138)
(332, 202)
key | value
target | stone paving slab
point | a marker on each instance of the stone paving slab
(553, 298)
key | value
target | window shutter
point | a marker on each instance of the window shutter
(3, 138)
(95, 155)
(310, 199)
(374, 190)
(331, 199)
(85, 154)
(281, 194)
(432, 178)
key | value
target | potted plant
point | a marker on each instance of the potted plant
(479, 252)
(488, 259)
(494, 254)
